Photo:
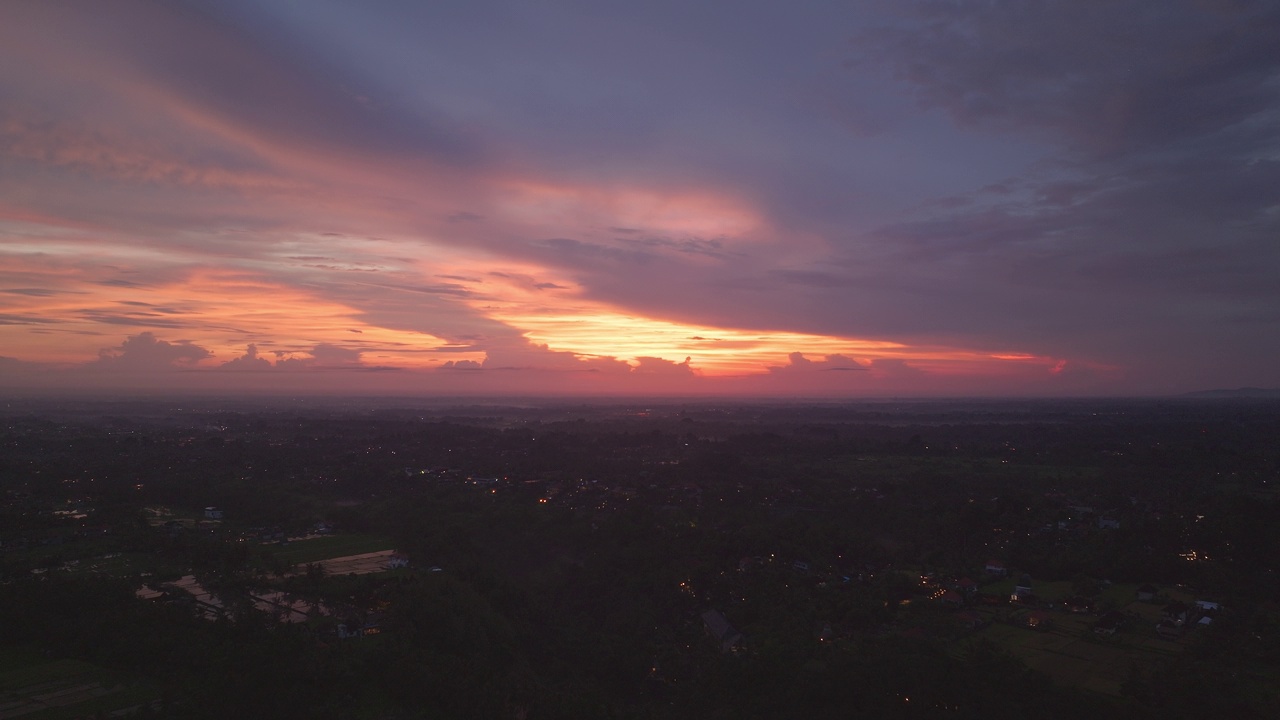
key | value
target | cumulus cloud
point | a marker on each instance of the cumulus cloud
(798, 363)
(145, 352)
(894, 369)
(329, 355)
(249, 362)
(520, 354)
(660, 366)
(507, 353)
(321, 357)
(13, 366)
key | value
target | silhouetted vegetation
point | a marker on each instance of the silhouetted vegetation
(874, 560)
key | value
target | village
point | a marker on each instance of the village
(731, 548)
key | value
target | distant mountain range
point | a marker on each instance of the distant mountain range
(1246, 392)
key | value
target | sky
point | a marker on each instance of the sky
(799, 199)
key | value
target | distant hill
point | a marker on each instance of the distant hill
(1247, 392)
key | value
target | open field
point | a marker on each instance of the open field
(330, 546)
(361, 564)
(892, 468)
(34, 688)
(1071, 656)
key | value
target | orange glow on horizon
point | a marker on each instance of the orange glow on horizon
(561, 320)
(714, 351)
(71, 310)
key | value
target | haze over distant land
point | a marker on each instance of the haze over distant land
(1259, 393)
(752, 199)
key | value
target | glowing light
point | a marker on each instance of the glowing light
(715, 351)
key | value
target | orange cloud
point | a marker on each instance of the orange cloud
(222, 309)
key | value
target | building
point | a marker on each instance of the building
(721, 631)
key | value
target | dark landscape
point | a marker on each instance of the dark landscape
(625, 559)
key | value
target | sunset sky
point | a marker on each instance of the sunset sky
(809, 199)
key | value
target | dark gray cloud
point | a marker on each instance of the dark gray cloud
(1110, 78)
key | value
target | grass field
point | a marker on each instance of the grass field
(36, 688)
(1071, 656)
(331, 546)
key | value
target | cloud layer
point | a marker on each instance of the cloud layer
(893, 198)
